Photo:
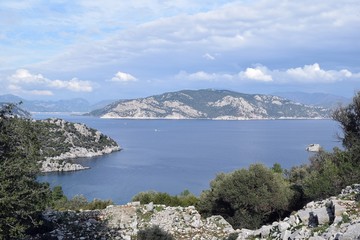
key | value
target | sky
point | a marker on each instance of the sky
(116, 49)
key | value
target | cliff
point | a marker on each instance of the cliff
(61, 141)
(341, 222)
(210, 104)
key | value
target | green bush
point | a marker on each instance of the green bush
(154, 233)
(60, 202)
(185, 198)
(247, 198)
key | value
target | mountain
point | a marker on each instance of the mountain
(9, 98)
(70, 105)
(210, 104)
(315, 99)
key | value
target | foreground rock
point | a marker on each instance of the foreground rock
(61, 140)
(337, 218)
(333, 218)
(124, 222)
(314, 147)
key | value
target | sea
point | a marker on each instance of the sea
(174, 155)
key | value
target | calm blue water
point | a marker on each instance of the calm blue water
(173, 155)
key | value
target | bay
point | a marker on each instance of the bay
(174, 155)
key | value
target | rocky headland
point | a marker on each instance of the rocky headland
(62, 141)
(333, 218)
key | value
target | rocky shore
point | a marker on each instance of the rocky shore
(333, 218)
(61, 163)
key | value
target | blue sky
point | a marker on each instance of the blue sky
(112, 49)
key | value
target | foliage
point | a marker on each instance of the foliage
(184, 199)
(247, 198)
(329, 173)
(154, 233)
(349, 119)
(22, 198)
(277, 168)
(60, 202)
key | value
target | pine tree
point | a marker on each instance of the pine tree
(22, 198)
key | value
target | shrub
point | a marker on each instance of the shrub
(247, 198)
(77, 202)
(185, 198)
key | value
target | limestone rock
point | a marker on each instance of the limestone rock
(124, 222)
(314, 147)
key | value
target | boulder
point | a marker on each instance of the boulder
(314, 147)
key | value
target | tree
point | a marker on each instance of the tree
(329, 173)
(22, 198)
(247, 198)
(349, 119)
(332, 171)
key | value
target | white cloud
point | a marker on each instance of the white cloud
(123, 77)
(258, 73)
(23, 81)
(208, 56)
(74, 85)
(203, 76)
(313, 73)
(306, 74)
(24, 76)
(41, 92)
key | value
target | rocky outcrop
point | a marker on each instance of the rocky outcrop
(124, 222)
(82, 152)
(333, 218)
(210, 104)
(60, 166)
(61, 140)
(314, 147)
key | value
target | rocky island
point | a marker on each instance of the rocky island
(210, 104)
(62, 141)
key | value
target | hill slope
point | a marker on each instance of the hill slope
(16, 110)
(210, 104)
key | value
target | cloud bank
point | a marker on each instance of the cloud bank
(212, 41)
(302, 75)
(23, 81)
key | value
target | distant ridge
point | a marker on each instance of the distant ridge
(316, 99)
(210, 104)
(69, 105)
